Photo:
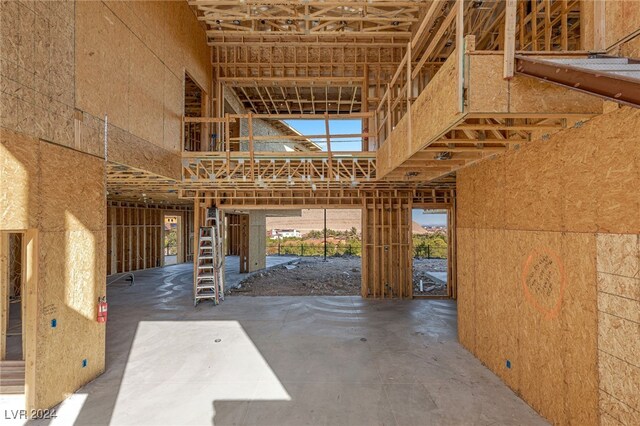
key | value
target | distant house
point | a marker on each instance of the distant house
(285, 233)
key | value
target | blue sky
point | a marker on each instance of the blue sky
(432, 219)
(336, 127)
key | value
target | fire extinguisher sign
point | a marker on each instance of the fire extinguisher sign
(102, 309)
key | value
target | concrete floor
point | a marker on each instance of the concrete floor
(285, 361)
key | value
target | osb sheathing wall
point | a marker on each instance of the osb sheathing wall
(531, 226)
(58, 196)
(618, 266)
(619, 19)
(131, 59)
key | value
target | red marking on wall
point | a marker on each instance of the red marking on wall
(538, 275)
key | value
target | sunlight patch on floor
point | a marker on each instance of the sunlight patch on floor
(175, 368)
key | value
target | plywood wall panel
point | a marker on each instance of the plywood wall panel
(466, 288)
(67, 210)
(618, 254)
(125, 148)
(130, 62)
(465, 194)
(579, 320)
(19, 198)
(580, 206)
(103, 63)
(615, 412)
(618, 170)
(558, 192)
(521, 93)
(146, 86)
(431, 115)
(72, 272)
(493, 94)
(69, 263)
(533, 187)
(172, 112)
(622, 19)
(620, 379)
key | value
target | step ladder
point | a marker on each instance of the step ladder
(209, 280)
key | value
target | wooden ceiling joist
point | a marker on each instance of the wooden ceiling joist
(382, 18)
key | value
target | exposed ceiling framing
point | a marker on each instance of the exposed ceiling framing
(385, 19)
(280, 99)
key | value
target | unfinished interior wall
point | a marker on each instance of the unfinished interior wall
(233, 240)
(130, 60)
(57, 196)
(134, 236)
(387, 246)
(530, 229)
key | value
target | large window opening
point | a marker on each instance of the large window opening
(315, 252)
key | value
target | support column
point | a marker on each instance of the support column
(257, 240)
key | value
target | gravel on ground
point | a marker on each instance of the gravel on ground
(338, 276)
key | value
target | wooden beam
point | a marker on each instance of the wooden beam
(510, 39)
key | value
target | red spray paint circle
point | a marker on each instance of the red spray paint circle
(543, 277)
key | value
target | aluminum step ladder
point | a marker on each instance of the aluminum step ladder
(209, 282)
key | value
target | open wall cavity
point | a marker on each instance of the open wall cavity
(136, 238)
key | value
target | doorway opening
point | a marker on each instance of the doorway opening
(171, 240)
(431, 236)
(12, 312)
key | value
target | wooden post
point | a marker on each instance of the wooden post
(328, 136)
(409, 87)
(251, 150)
(509, 39)
(5, 255)
(364, 262)
(564, 28)
(547, 25)
(364, 107)
(534, 25)
(460, 50)
(599, 25)
(30, 295)
(389, 124)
